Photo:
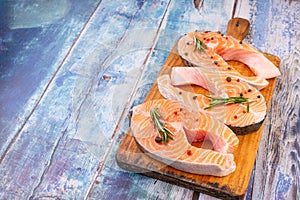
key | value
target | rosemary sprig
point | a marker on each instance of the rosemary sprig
(223, 101)
(199, 44)
(164, 132)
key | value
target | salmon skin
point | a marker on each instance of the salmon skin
(217, 47)
(187, 126)
(242, 118)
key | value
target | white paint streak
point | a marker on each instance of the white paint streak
(37, 14)
(243, 9)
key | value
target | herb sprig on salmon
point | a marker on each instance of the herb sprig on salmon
(164, 132)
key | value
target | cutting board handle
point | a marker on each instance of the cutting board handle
(238, 28)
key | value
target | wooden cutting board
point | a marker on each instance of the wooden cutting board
(234, 186)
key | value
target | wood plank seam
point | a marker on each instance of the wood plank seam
(250, 192)
(48, 85)
(129, 101)
(48, 166)
(198, 4)
(100, 166)
(40, 99)
(146, 61)
(234, 9)
(105, 64)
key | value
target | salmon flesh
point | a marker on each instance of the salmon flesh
(217, 48)
(188, 127)
(242, 118)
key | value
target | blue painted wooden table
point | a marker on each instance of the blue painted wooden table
(70, 71)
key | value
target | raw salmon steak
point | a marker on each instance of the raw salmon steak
(244, 117)
(187, 127)
(215, 48)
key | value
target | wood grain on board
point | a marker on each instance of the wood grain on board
(130, 156)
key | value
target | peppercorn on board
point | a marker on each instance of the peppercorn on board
(132, 158)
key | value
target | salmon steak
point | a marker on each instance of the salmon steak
(184, 128)
(213, 49)
(234, 102)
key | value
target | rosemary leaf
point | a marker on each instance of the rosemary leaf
(164, 132)
(199, 44)
(224, 101)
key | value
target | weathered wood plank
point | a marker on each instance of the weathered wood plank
(57, 153)
(116, 183)
(35, 38)
(275, 27)
(60, 147)
(279, 155)
(182, 16)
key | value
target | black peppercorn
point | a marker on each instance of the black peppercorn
(158, 139)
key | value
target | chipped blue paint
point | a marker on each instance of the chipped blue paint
(123, 14)
(77, 108)
(60, 80)
(29, 58)
(284, 32)
(111, 77)
(142, 92)
(273, 31)
(71, 130)
(115, 183)
(68, 183)
(123, 189)
(283, 185)
(140, 3)
(39, 13)
(260, 23)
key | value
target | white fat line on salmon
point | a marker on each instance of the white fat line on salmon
(222, 47)
(173, 93)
